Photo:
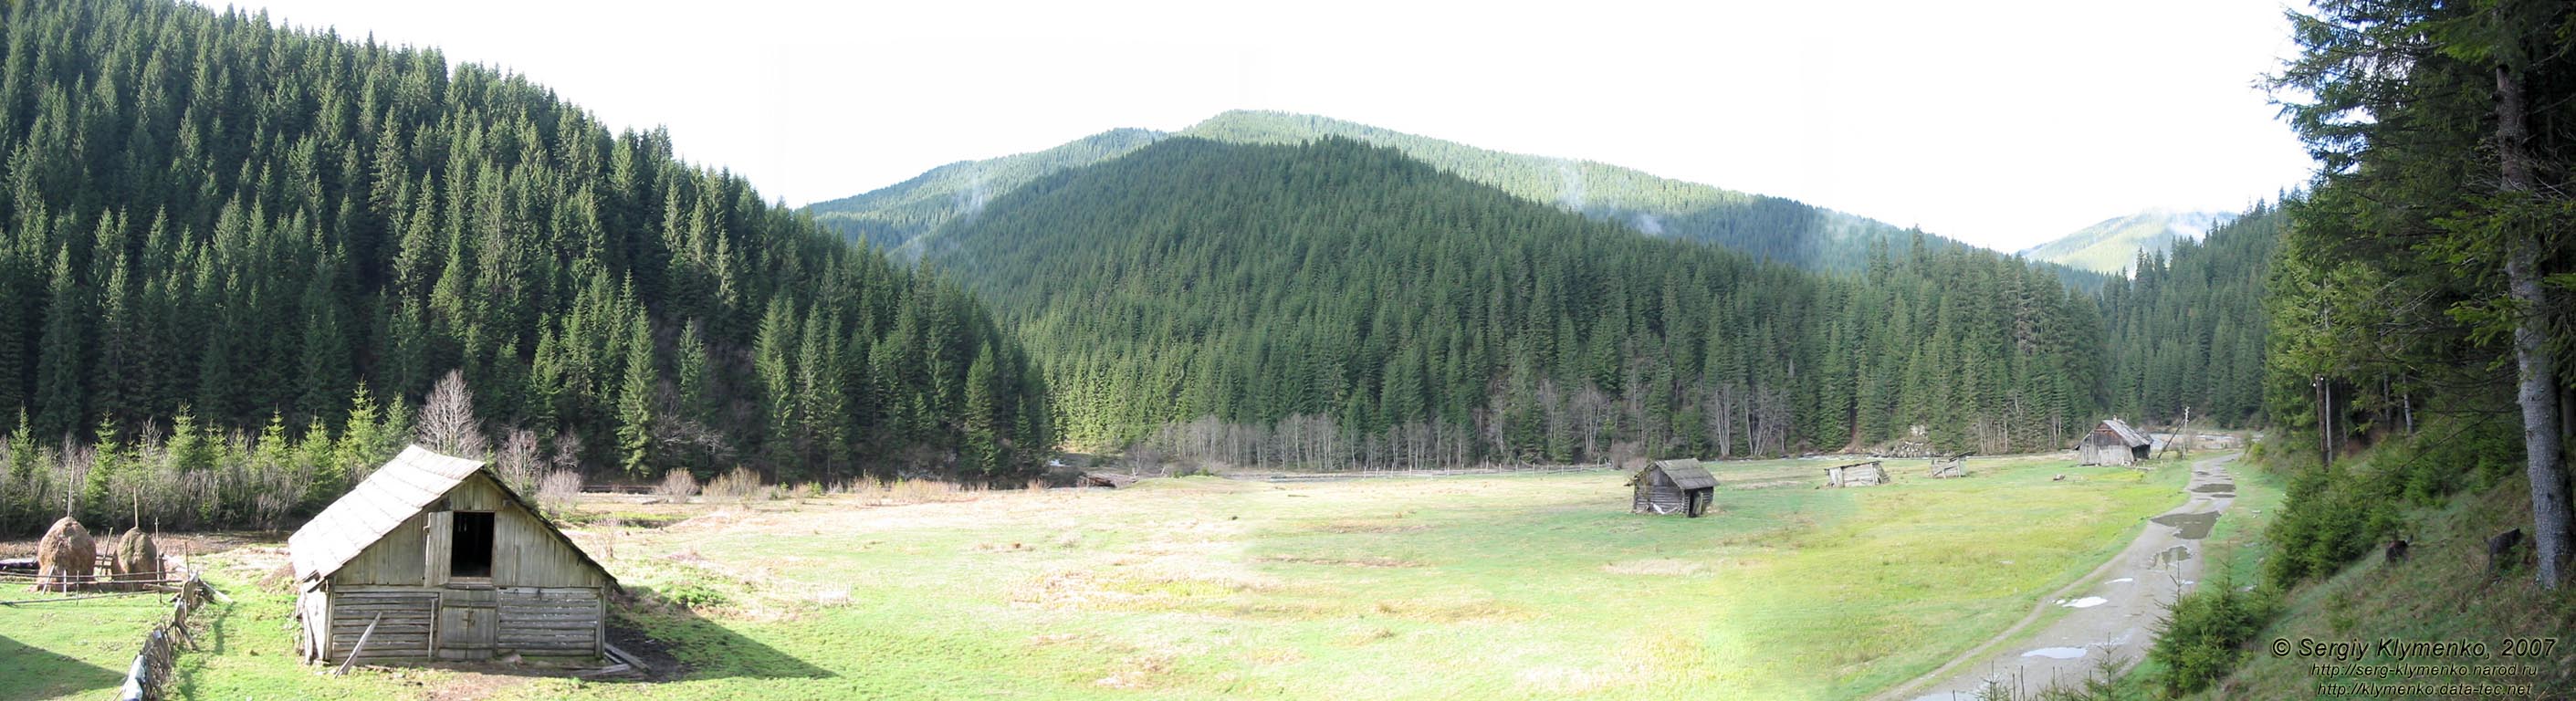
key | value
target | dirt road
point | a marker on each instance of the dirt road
(2110, 614)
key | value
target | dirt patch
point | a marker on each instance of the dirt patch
(2215, 487)
(2193, 526)
(656, 655)
(1371, 561)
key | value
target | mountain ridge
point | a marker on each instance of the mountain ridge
(903, 216)
(2112, 245)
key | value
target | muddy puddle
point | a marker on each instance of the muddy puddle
(2215, 487)
(2194, 526)
(2172, 555)
(2056, 653)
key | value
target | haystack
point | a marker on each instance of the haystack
(138, 562)
(64, 558)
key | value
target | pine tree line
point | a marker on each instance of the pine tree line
(1334, 304)
(210, 216)
(2188, 328)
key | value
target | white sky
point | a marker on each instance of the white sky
(2000, 123)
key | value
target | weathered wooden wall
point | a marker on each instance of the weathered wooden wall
(552, 621)
(524, 551)
(408, 614)
(542, 600)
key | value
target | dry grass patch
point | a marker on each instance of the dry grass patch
(1448, 611)
(1368, 526)
(1662, 567)
(1370, 561)
(1135, 591)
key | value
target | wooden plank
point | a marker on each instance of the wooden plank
(359, 648)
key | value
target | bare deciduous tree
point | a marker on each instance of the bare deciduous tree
(447, 422)
(520, 460)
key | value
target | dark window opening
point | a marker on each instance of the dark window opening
(469, 552)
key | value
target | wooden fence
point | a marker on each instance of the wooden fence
(154, 666)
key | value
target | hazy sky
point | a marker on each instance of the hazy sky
(2002, 123)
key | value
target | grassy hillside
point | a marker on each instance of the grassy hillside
(893, 217)
(2113, 244)
(1488, 587)
(2442, 592)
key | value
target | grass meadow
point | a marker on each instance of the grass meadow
(1486, 587)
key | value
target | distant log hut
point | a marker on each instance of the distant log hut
(2112, 442)
(444, 562)
(1947, 466)
(1111, 480)
(1673, 486)
(1859, 474)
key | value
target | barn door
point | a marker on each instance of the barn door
(468, 623)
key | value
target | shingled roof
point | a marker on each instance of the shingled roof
(383, 502)
(2127, 435)
(1686, 474)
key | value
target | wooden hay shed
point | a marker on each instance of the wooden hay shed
(2112, 442)
(1673, 486)
(446, 563)
(1859, 474)
(1948, 466)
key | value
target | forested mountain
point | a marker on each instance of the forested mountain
(2113, 244)
(894, 216)
(2187, 329)
(1765, 227)
(1769, 228)
(207, 216)
(1332, 304)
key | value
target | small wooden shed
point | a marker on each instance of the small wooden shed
(1947, 466)
(2112, 442)
(446, 563)
(1673, 486)
(1859, 474)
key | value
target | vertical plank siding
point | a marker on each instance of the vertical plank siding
(544, 598)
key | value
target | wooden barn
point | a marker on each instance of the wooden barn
(1947, 466)
(1859, 474)
(445, 563)
(1673, 486)
(2112, 442)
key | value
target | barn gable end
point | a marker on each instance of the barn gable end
(381, 556)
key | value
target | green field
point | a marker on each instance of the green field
(1505, 586)
(70, 647)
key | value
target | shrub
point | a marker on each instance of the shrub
(740, 484)
(677, 484)
(2200, 639)
(556, 493)
(693, 596)
(2333, 516)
